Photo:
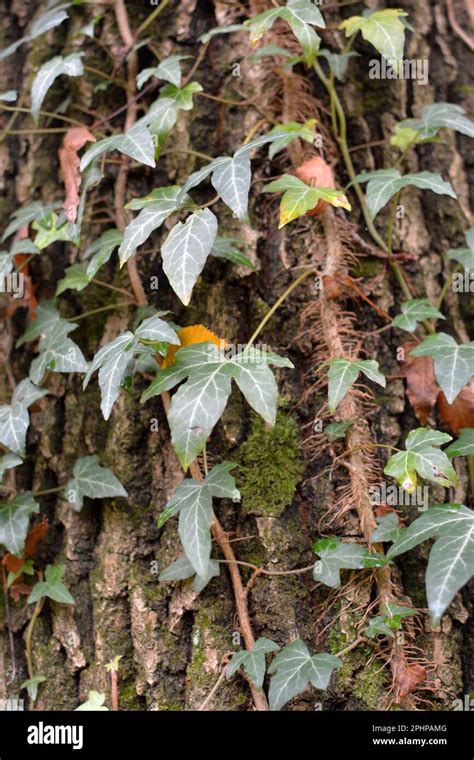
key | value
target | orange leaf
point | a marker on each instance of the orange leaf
(188, 336)
(460, 413)
(74, 139)
(408, 677)
(317, 173)
(422, 389)
(36, 534)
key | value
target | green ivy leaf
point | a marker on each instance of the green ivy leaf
(451, 560)
(438, 115)
(378, 626)
(14, 519)
(136, 143)
(336, 430)
(7, 462)
(413, 311)
(338, 61)
(294, 669)
(463, 447)
(423, 458)
(383, 29)
(58, 353)
(182, 569)
(335, 556)
(225, 248)
(52, 18)
(94, 703)
(465, 256)
(71, 66)
(31, 685)
(101, 251)
(252, 661)
(92, 480)
(34, 211)
(49, 232)
(301, 16)
(293, 130)
(169, 70)
(388, 528)
(76, 277)
(343, 373)
(383, 184)
(298, 197)
(453, 364)
(14, 418)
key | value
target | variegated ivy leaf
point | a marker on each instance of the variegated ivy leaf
(451, 559)
(182, 569)
(14, 519)
(116, 358)
(154, 209)
(465, 256)
(45, 317)
(226, 248)
(453, 364)
(334, 555)
(413, 311)
(388, 528)
(464, 446)
(57, 353)
(231, 180)
(199, 403)
(53, 17)
(29, 213)
(292, 129)
(343, 373)
(438, 115)
(383, 184)
(298, 197)
(7, 462)
(169, 70)
(52, 587)
(192, 500)
(186, 249)
(14, 418)
(338, 61)
(136, 143)
(91, 177)
(383, 29)
(252, 661)
(92, 480)
(51, 229)
(294, 669)
(101, 250)
(71, 65)
(423, 458)
(301, 16)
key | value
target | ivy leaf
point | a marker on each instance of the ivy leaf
(338, 61)
(155, 208)
(221, 483)
(293, 130)
(49, 232)
(261, 23)
(269, 50)
(186, 249)
(204, 38)
(169, 70)
(464, 446)
(336, 430)
(76, 277)
(383, 29)
(231, 179)
(438, 115)
(45, 318)
(252, 661)
(31, 685)
(423, 458)
(294, 669)
(298, 197)
(378, 626)
(388, 528)
(453, 363)
(101, 251)
(225, 248)
(14, 519)
(160, 119)
(58, 353)
(343, 373)
(335, 556)
(39, 26)
(182, 96)
(157, 329)
(383, 184)
(7, 462)
(182, 569)
(137, 143)
(451, 559)
(9, 96)
(413, 311)
(92, 480)
(71, 65)
(465, 256)
(300, 15)
(29, 213)
(94, 703)
(14, 418)
(199, 403)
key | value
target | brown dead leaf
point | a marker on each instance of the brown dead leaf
(317, 173)
(460, 413)
(422, 389)
(74, 139)
(35, 535)
(408, 677)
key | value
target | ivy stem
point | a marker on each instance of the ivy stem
(29, 632)
(277, 304)
(112, 287)
(84, 314)
(196, 153)
(213, 691)
(149, 20)
(447, 285)
(204, 460)
(47, 491)
(8, 622)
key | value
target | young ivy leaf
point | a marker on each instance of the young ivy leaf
(383, 29)
(182, 569)
(136, 143)
(14, 417)
(383, 184)
(463, 447)
(186, 249)
(438, 115)
(465, 256)
(453, 364)
(388, 528)
(338, 61)
(52, 587)
(293, 130)
(423, 458)
(101, 251)
(298, 197)
(14, 519)
(46, 316)
(451, 559)
(226, 248)
(199, 403)
(336, 430)
(57, 353)
(413, 311)
(76, 277)
(169, 70)
(294, 669)
(343, 373)
(92, 480)
(71, 65)
(29, 213)
(335, 556)
(31, 685)
(49, 232)
(252, 661)
(94, 703)
(378, 626)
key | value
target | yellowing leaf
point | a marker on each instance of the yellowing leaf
(188, 336)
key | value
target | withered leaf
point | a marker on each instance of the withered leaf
(422, 388)
(408, 677)
(74, 139)
(317, 173)
(460, 413)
